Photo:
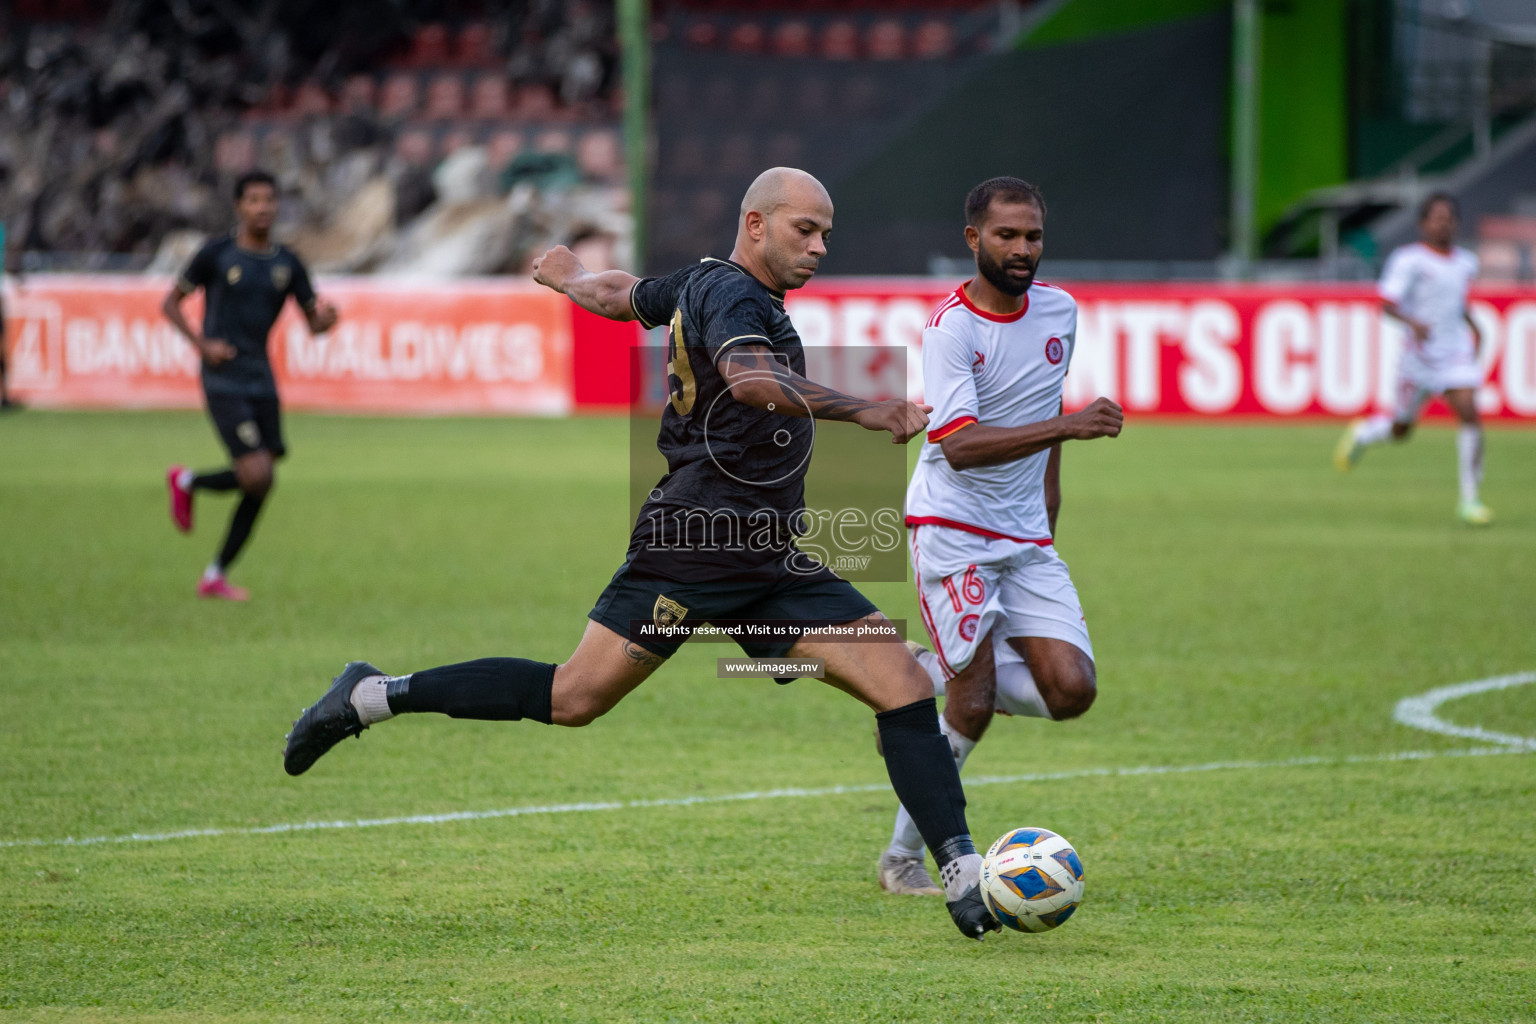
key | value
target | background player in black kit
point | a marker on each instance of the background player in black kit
(736, 435)
(245, 278)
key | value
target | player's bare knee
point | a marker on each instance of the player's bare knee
(913, 687)
(582, 693)
(575, 718)
(969, 717)
(1071, 700)
(1069, 690)
(578, 709)
(254, 475)
(969, 708)
(1400, 431)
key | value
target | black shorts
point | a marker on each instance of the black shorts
(248, 423)
(799, 601)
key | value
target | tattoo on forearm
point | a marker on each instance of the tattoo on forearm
(824, 403)
(827, 404)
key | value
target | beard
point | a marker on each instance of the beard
(997, 274)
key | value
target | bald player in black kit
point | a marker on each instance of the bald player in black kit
(736, 361)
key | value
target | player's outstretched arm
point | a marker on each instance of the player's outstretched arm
(759, 380)
(980, 445)
(606, 294)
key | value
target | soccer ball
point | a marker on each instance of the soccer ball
(1031, 879)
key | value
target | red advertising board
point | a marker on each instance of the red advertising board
(475, 347)
(1208, 349)
(512, 347)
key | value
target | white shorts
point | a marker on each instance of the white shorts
(1420, 379)
(969, 585)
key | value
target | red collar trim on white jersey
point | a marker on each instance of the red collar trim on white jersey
(1004, 318)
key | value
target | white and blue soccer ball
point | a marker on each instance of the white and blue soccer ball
(1031, 879)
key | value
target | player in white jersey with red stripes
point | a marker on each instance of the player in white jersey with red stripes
(1008, 632)
(1424, 285)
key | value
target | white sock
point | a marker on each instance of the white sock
(906, 840)
(1017, 692)
(184, 479)
(959, 875)
(1374, 430)
(1469, 448)
(213, 572)
(930, 663)
(371, 701)
(959, 745)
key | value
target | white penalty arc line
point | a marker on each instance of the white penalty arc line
(1419, 712)
(1416, 712)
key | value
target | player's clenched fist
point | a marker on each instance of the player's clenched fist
(1102, 417)
(324, 318)
(216, 352)
(556, 268)
(904, 419)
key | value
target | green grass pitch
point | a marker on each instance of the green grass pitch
(1247, 603)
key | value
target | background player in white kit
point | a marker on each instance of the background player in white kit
(1008, 632)
(1425, 286)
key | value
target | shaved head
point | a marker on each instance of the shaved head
(786, 217)
(780, 186)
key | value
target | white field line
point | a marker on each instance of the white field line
(1419, 712)
(1417, 717)
(769, 794)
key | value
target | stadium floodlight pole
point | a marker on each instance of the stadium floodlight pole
(1482, 85)
(1245, 130)
(634, 18)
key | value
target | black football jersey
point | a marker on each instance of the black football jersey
(725, 459)
(243, 293)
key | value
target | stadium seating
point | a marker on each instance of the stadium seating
(319, 111)
(445, 97)
(310, 100)
(358, 95)
(429, 47)
(400, 96)
(888, 31)
(488, 99)
(475, 46)
(1506, 248)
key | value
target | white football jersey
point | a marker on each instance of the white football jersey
(999, 371)
(1432, 287)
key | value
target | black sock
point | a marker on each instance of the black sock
(927, 782)
(240, 525)
(216, 480)
(492, 689)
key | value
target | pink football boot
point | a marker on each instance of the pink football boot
(220, 587)
(181, 499)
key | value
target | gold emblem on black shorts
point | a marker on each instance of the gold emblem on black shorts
(280, 275)
(248, 433)
(668, 612)
(234, 274)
